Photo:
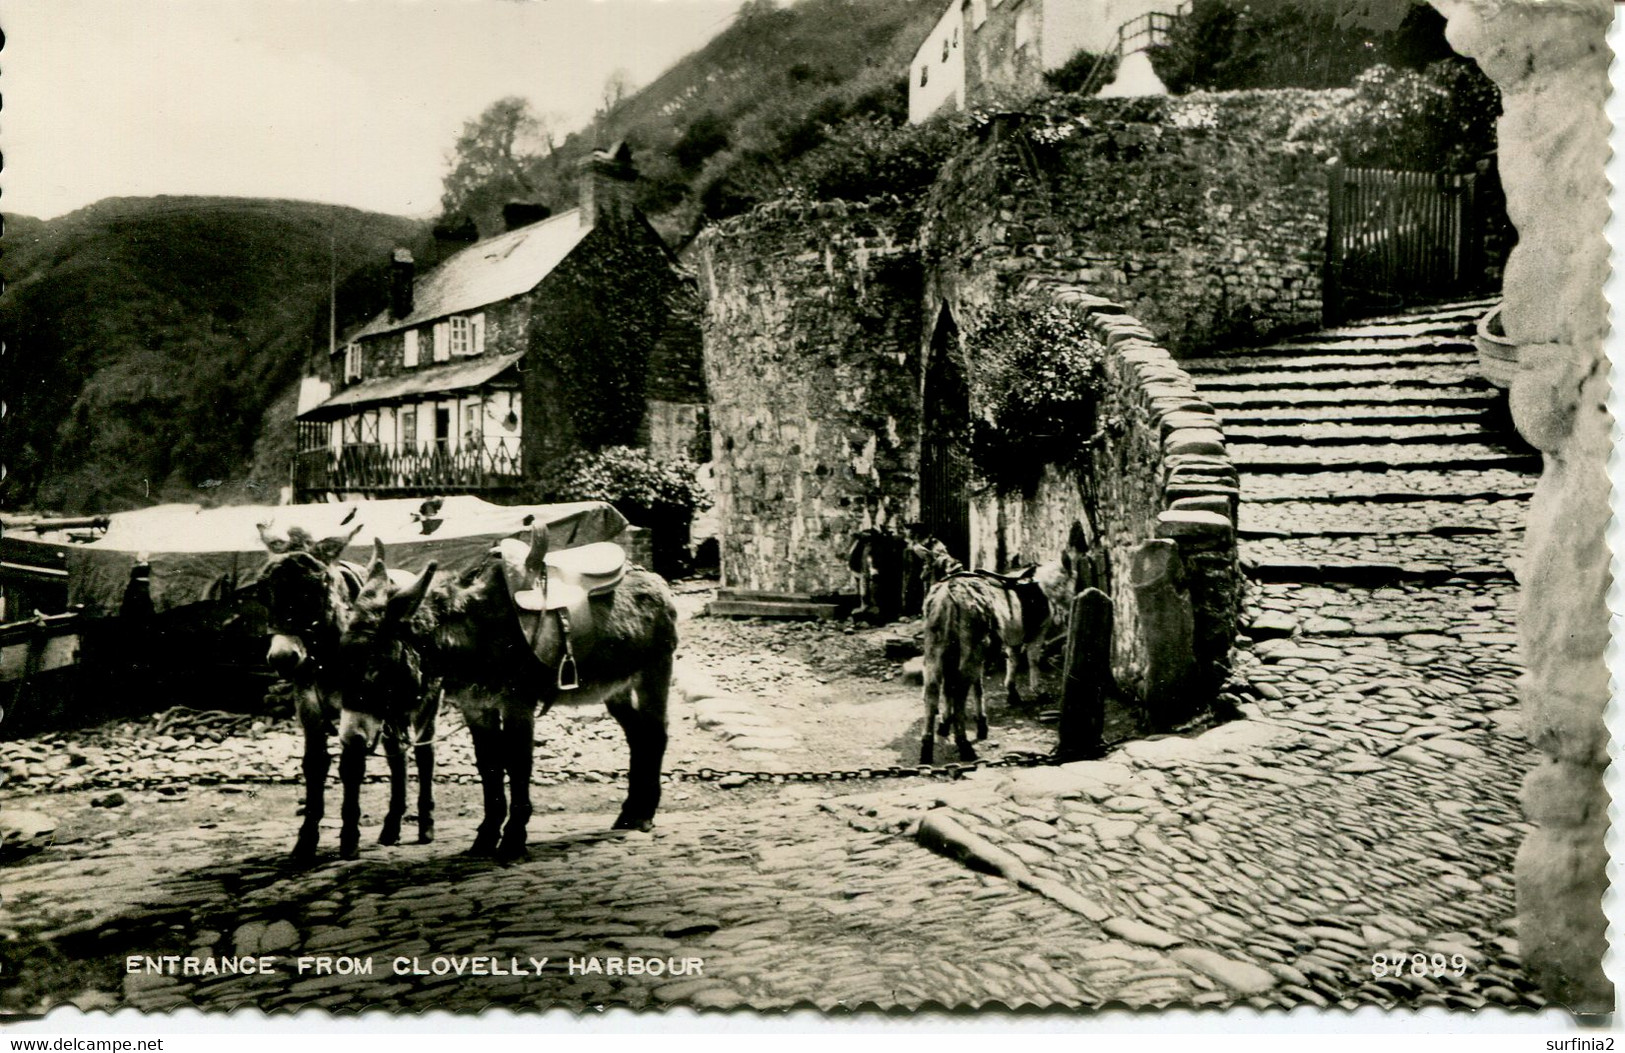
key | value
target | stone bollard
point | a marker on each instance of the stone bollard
(1167, 627)
(1089, 684)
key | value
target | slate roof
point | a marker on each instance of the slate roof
(488, 271)
(452, 376)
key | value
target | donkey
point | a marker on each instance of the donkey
(968, 616)
(500, 657)
(308, 593)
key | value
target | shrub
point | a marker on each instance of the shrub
(1440, 118)
(629, 478)
(868, 156)
(1035, 380)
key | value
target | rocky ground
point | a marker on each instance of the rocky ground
(1348, 842)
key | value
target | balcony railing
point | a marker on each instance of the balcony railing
(435, 468)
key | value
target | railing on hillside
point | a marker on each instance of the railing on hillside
(1399, 238)
(378, 469)
(1140, 33)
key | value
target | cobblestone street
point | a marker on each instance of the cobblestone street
(1365, 804)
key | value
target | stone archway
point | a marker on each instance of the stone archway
(944, 461)
(1550, 61)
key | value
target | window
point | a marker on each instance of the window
(466, 334)
(442, 341)
(410, 355)
(956, 38)
(409, 428)
(945, 49)
(925, 75)
(442, 427)
(352, 362)
(473, 424)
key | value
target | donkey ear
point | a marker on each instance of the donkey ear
(328, 548)
(378, 569)
(276, 544)
(536, 561)
(403, 604)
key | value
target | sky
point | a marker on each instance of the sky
(354, 102)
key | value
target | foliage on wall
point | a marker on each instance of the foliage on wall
(1439, 118)
(1035, 381)
(630, 479)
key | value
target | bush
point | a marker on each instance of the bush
(865, 157)
(1035, 380)
(1442, 118)
(629, 478)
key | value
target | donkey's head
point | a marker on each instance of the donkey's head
(306, 598)
(931, 562)
(379, 658)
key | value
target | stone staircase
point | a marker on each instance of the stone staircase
(1372, 454)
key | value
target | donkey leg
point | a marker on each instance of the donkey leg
(932, 693)
(981, 710)
(316, 763)
(644, 722)
(357, 734)
(485, 728)
(961, 687)
(1012, 666)
(395, 757)
(518, 746)
(423, 729)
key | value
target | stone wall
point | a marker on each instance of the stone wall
(1202, 215)
(811, 330)
(1551, 62)
(1160, 474)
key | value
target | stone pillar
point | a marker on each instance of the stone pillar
(1167, 632)
(1550, 61)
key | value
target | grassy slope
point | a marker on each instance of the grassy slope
(146, 338)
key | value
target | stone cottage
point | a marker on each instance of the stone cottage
(577, 330)
(980, 49)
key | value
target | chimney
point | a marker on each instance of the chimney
(516, 214)
(607, 179)
(401, 273)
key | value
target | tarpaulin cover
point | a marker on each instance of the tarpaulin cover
(194, 552)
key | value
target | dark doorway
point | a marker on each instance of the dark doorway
(944, 464)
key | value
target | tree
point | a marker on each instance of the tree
(499, 157)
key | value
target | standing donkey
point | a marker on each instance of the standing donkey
(308, 593)
(528, 629)
(969, 615)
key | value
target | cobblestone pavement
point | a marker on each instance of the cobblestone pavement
(1365, 805)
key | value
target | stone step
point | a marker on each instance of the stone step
(1381, 487)
(1344, 434)
(1201, 367)
(1356, 413)
(1370, 573)
(1350, 382)
(1438, 553)
(783, 609)
(1469, 310)
(1258, 458)
(1388, 396)
(1441, 518)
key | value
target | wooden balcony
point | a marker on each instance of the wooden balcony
(435, 469)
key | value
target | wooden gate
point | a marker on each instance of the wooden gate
(1395, 239)
(944, 463)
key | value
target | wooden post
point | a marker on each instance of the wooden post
(1088, 676)
(1331, 272)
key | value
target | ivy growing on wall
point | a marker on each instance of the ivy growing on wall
(1035, 379)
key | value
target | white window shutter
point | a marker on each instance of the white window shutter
(410, 356)
(442, 341)
(477, 344)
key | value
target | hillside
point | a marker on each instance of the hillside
(146, 337)
(713, 134)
